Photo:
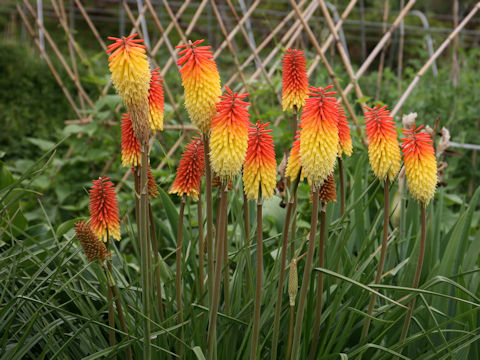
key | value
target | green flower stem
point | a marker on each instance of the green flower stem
(283, 262)
(307, 272)
(178, 272)
(158, 283)
(258, 281)
(383, 252)
(218, 277)
(318, 304)
(201, 249)
(208, 196)
(418, 272)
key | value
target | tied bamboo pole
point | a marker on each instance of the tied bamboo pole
(430, 61)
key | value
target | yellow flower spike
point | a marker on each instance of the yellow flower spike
(201, 82)
(260, 165)
(319, 135)
(383, 148)
(229, 136)
(420, 164)
(131, 77)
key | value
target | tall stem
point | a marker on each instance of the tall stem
(143, 234)
(342, 186)
(118, 303)
(418, 272)
(383, 252)
(258, 279)
(246, 219)
(208, 196)
(158, 283)
(226, 270)
(294, 121)
(318, 305)
(111, 311)
(218, 277)
(201, 249)
(291, 324)
(307, 272)
(178, 271)
(283, 262)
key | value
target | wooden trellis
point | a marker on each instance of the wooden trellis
(264, 54)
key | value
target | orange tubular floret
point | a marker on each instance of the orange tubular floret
(344, 138)
(131, 151)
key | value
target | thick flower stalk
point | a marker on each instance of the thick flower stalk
(156, 101)
(420, 164)
(229, 135)
(130, 70)
(319, 135)
(344, 138)
(190, 170)
(104, 209)
(131, 151)
(94, 249)
(383, 148)
(201, 81)
(260, 165)
(294, 80)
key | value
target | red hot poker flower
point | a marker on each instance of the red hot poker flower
(104, 209)
(190, 170)
(131, 151)
(294, 79)
(156, 101)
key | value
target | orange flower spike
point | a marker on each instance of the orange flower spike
(190, 170)
(293, 162)
(229, 136)
(156, 101)
(94, 249)
(383, 148)
(344, 138)
(260, 165)
(420, 164)
(201, 82)
(131, 151)
(104, 209)
(328, 192)
(294, 79)
(319, 135)
(130, 70)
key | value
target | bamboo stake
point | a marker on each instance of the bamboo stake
(430, 61)
(384, 50)
(400, 50)
(90, 24)
(48, 61)
(329, 69)
(455, 45)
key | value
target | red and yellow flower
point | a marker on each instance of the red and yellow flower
(201, 81)
(344, 138)
(294, 79)
(259, 170)
(156, 101)
(229, 136)
(130, 70)
(104, 209)
(94, 249)
(190, 170)
(131, 152)
(420, 164)
(319, 135)
(383, 148)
